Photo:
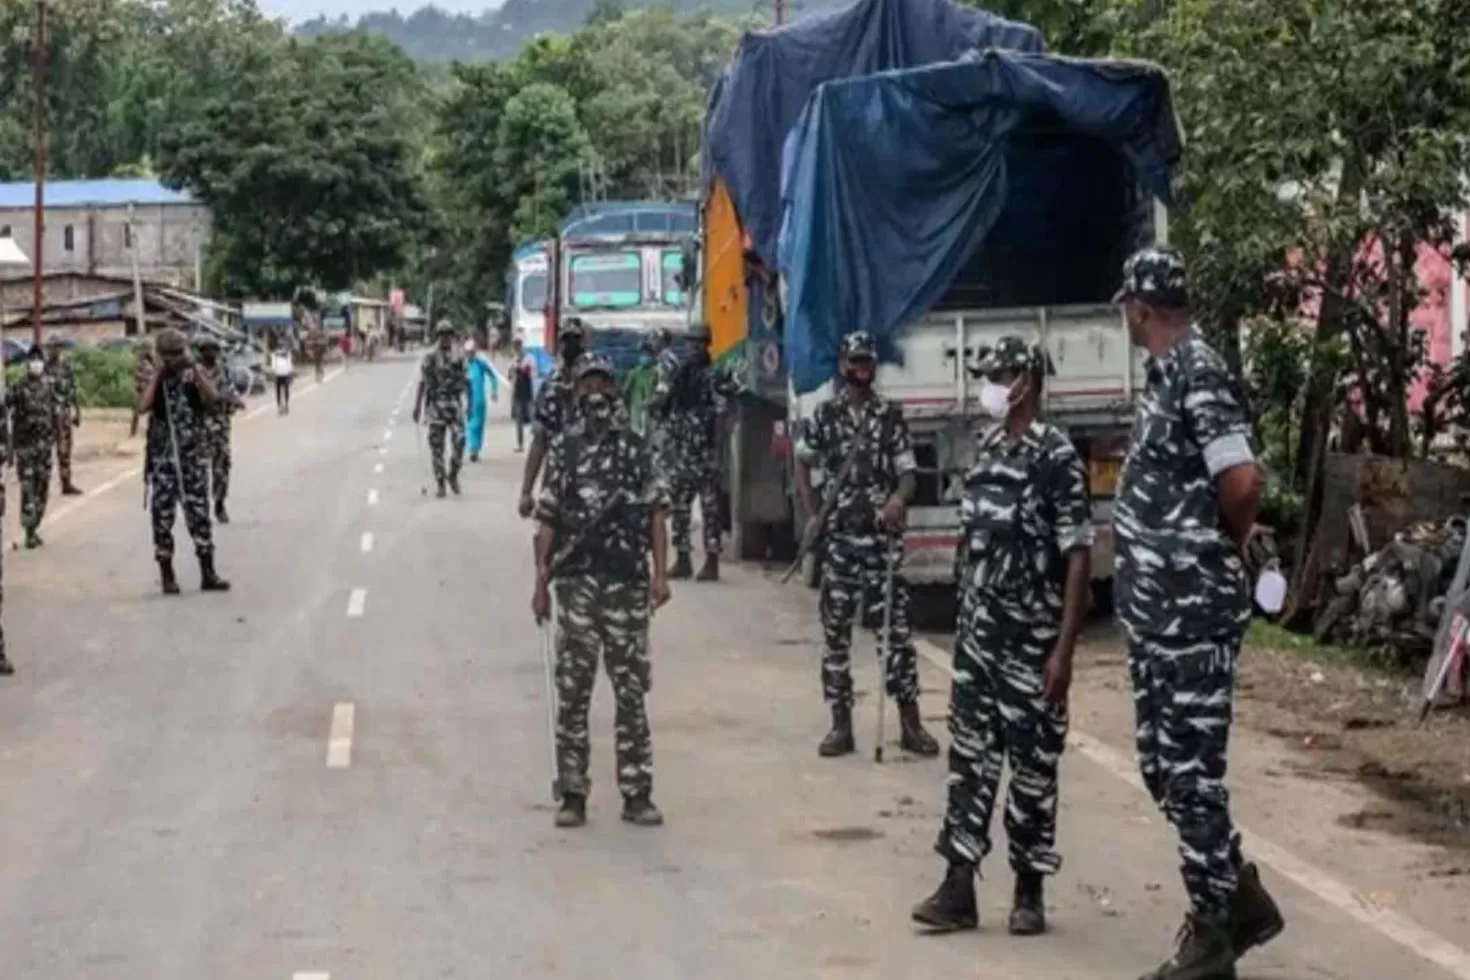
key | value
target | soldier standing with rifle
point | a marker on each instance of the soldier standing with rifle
(217, 424)
(444, 389)
(178, 399)
(863, 529)
(554, 408)
(32, 404)
(600, 515)
(63, 377)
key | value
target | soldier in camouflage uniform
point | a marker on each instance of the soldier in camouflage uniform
(601, 513)
(143, 372)
(690, 393)
(1025, 566)
(1185, 509)
(177, 402)
(32, 403)
(217, 424)
(444, 389)
(63, 376)
(866, 521)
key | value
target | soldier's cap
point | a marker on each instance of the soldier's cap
(208, 342)
(859, 346)
(56, 341)
(169, 342)
(1156, 275)
(444, 327)
(594, 364)
(1014, 354)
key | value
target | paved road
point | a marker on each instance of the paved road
(339, 769)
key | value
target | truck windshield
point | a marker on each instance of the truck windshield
(533, 292)
(608, 281)
(672, 265)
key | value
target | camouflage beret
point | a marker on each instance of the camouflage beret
(1015, 354)
(1155, 275)
(859, 346)
(169, 342)
(594, 364)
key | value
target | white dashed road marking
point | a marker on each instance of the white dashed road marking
(378, 468)
(339, 738)
(367, 542)
(1402, 930)
(373, 498)
(356, 603)
(387, 435)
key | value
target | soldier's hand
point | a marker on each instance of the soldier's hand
(541, 601)
(415, 415)
(1056, 678)
(526, 505)
(660, 593)
(76, 421)
(892, 513)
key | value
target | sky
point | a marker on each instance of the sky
(299, 10)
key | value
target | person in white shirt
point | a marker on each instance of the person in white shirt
(284, 371)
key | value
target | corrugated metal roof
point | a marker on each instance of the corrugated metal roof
(91, 193)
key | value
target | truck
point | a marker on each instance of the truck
(618, 268)
(525, 295)
(857, 232)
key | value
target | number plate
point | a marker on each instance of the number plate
(1102, 476)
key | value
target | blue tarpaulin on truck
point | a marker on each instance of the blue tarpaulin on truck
(895, 178)
(760, 97)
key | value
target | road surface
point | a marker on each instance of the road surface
(339, 769)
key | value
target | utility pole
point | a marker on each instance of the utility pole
(780, 10)
(38, 250)
(139, 310)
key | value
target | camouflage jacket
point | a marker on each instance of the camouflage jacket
(63, 377)
(555, 409)
(690, 399)
(1025, 507)
(178, 407)
(886, 455)
(32, 403)
(445, 388)
(1177, 573)
(582, 477)
(143, 372)
(219, 376)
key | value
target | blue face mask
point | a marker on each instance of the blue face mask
(645, 358)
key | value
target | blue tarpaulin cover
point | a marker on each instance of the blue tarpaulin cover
(760, 97)
(894, 178)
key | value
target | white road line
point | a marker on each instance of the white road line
(1402, 930)
(382, 450)
(373, 497)
(339, 739)
(367, 542)
(61, 512)
(311, 976)
(378, 468)
(387, 434)
(356, 603)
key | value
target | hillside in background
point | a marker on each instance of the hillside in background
(431, 34)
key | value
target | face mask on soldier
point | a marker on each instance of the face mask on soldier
(997, 399)
(597, 406)
(36, 367)
(859, 374)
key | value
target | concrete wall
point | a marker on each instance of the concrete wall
(167, 237)
(1394, 493)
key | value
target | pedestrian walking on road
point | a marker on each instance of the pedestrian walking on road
(638, 388)
(522, 390)
(1185, 510)
(866, 521)
(600, 515)
(284, 371)
(444, 390)
(218, 424)
(1025, 566)
(32, 403)
(316, 349)
(689, 393)
(484, 389)
(177, 403)
(63, 376)
(6, 667)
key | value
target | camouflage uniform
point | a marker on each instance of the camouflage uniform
(177, 465)
(856, 561)
(1182, 592)
(445, 392)
(33, 418)
(218, 422)
(692, 397)
(6, 669)
(602, 595)
(554, 406)
(1025, 508)
(63, 377)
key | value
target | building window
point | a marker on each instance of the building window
(69, 237)
(128, 235)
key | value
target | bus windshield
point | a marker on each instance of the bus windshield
(533, 292)
(610, 281)
(670, 268)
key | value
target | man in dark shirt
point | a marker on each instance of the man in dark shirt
(1185, 510)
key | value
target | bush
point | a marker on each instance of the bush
(104, 378)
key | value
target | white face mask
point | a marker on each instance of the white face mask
(1271, 590)
(35, 367)
(996, 399)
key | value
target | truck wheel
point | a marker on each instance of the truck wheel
(751, 540)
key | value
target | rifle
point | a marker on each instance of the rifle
(813, 531)
(565, 554)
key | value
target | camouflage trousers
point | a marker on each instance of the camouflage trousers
(167, 483)
(855, 573)
(688, 480)
(438, 429)
(997, 714)
(2, 576)
(33, 467)
(1182, 697)
(595, 616)
(217, 441)
(64, 432)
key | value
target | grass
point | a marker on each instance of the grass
(1270, 636)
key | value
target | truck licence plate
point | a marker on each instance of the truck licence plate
(1102, 476)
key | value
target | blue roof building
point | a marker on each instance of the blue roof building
(91, 194)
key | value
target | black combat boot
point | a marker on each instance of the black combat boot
(209, 580)
(640, 811)
(1255, 919)
(683, 567)
(454, 483)
(70, 489)
(33, 540)
(440, 492)
(221, 515)
(573, 812)
(711, 570)
(952, 907)
(913, 737)
(1203, 952)
(839, 740)
(1028, 908)
(166, 576)
(7, 669)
